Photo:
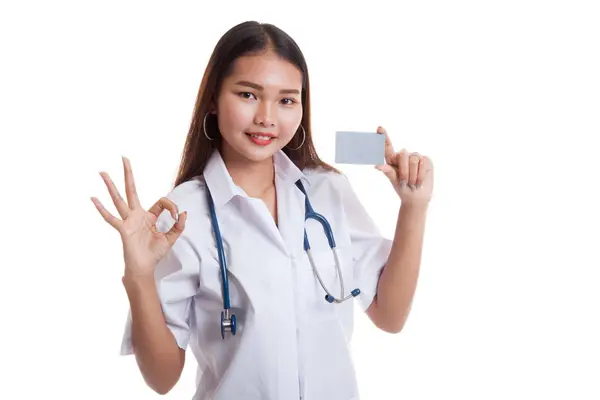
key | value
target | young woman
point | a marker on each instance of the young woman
(228, 264)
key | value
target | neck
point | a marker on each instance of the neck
(254, 177)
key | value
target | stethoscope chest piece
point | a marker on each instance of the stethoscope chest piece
(228, 323)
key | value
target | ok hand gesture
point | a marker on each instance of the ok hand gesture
(143, 245)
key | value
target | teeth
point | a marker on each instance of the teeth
(261, 137)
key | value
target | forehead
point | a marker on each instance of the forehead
(268, 70)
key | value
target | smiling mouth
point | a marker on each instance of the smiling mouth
(260, 139)
(260, 136)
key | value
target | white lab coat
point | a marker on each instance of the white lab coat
(290, 342)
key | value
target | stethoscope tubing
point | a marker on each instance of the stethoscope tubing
(228, 321)
(220, 251)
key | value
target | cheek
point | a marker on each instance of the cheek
(234, 117)
(289, 121)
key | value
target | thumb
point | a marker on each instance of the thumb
(388, 171)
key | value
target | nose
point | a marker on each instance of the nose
(264, 116)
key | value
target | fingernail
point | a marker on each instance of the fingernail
(419, 185)
(403, 184)
(411, 186)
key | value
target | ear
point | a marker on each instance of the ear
(212, 108)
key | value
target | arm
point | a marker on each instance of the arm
(397, 283)
(411, 176)
(158, 356)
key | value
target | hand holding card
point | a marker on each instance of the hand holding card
(411, 174)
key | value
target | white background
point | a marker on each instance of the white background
(504, 96)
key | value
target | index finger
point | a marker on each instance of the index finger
(389, 147)
(130, 190)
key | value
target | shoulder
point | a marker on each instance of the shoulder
(330, 190)
(188, 196)
(333, 182)
(335, 189)
(187, 193)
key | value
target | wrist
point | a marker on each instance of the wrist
(416, 207)
(137, 281)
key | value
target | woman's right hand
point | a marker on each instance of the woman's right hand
(143, 245)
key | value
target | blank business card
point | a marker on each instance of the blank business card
(361, 148)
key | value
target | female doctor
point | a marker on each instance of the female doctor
(254, 259)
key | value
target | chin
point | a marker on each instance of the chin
(258, 155)
(253, 152)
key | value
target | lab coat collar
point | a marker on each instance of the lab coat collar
(287, 170)
(223, 189)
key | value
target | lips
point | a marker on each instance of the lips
(260, 138)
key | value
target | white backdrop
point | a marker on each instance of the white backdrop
(504, 96)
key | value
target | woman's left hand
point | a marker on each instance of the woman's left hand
(411, 174)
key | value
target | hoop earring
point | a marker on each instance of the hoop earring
(204, 126)
(303, 139)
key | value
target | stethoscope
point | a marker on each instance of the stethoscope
(228, 321)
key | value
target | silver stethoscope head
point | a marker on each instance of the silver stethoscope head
(228, 322)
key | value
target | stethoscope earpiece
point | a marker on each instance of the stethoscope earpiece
(330, 299)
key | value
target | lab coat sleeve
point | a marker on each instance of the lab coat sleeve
(177, 281)
(370, 250)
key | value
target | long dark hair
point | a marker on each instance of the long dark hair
(246, 38)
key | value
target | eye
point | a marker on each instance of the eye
(288, 101)
(246, 95)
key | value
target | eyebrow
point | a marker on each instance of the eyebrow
(259, 87)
